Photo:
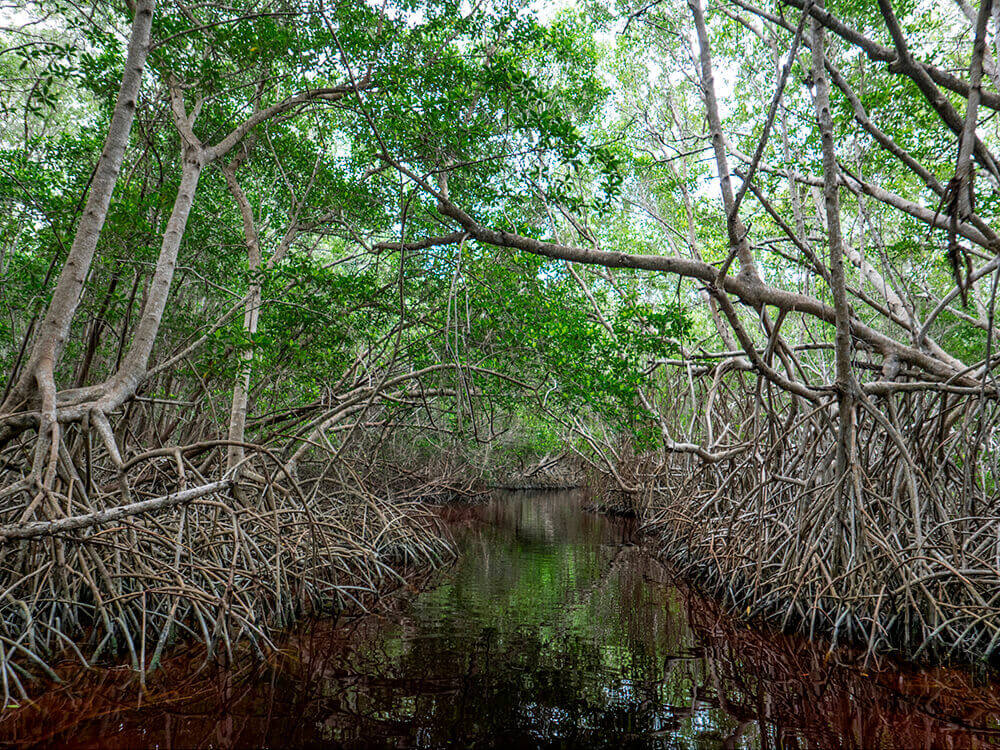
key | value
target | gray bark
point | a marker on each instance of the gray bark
(54, 329)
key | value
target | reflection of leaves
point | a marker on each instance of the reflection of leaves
(540, 634)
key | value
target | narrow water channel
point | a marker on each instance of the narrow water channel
(552, 629)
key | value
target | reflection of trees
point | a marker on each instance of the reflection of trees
(578, 663)
(798, 695)
(528, 687)
(575, 643)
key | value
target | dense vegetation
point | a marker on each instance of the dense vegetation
(271, 271)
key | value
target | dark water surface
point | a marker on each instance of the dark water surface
(551, 630)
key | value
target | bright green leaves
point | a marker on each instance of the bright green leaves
(511, 109)
(50, 64)
(540, 324)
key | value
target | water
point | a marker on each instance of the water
(551, 630)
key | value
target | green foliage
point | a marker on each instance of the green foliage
(532, 121)
(536, 312)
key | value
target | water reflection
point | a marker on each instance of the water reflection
(552, 630)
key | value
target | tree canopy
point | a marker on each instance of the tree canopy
(734, 259)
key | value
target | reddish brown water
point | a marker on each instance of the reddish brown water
(551, 630)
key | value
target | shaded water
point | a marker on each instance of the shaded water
(551, 630)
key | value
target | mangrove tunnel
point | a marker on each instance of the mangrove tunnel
(518, 373)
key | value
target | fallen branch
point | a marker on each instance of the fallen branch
(50, 528)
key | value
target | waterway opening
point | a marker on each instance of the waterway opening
(553, 628)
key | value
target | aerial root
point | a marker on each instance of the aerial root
(86, 574)
(909, 562)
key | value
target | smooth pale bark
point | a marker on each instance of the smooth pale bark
(882, 53)
(74, 404)
(683, 179)
(963, 168)
(749, 290)
(251, 314)
(123, 384)
(73, 523)
(975, 230)
(988, 64)
(54, 329)
(786, 152)
(880, 137)
(737, 231)
(838, 287)
(906, 65)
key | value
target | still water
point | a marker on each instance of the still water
(552, 629)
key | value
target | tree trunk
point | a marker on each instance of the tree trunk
(737, 231)
(133, 367)
(251, 314)
(838, 286)
(55, 326)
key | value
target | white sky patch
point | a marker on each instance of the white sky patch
(547, 10)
